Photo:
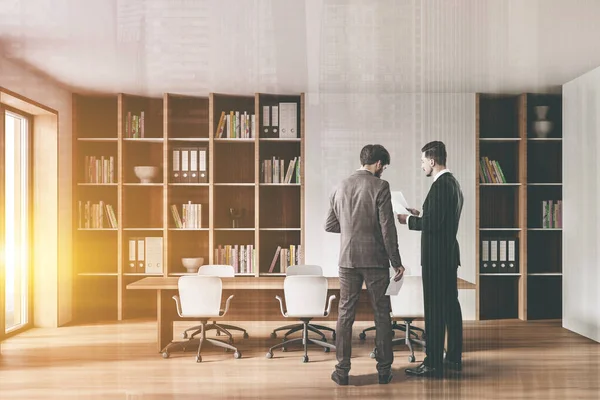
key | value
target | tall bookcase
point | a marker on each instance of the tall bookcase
(519, 201)
(271, 214)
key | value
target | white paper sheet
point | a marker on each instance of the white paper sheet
(394, 287)
(399, 203)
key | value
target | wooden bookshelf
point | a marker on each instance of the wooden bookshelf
(510, 208)
(272, 213)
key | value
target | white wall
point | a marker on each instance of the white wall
(52, 275)
(581, 217)
(339, 125)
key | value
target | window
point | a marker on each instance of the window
(16, 196)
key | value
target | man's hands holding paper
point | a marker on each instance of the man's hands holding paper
(403, 218)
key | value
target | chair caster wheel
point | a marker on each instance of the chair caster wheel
(305, 359)
(165, 354)
(198, 359)
(185, 335)
(246, 335)
(237, 355)
(273, 335)
(269, 355)
(411, 359)
(326, 349)
(362, 336)
(284, 349)
(373, 354)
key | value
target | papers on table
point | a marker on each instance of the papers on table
(399, 204)
(394, 287)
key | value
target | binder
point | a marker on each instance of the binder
(154, 255)
(141, 255)
(493, 256)
(185, 165)
(513, 256)
(193, 160)
(502, 257)
(176, 166)
(132, 259)
(288, 120)
(275, 121)
(266, 121)
(202, 165)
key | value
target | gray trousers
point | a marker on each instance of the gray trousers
(351, 281)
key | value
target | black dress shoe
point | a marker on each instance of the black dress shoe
(424, 370)
(453, 365)
(340, 380)
(385, 379)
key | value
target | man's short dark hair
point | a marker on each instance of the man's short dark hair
(436, 151)
(372, 153)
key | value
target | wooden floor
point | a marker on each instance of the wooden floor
(502, 360)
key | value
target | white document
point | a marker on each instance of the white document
(394, 287)
(399, 203)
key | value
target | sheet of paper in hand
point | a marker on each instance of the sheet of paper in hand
(394, 287)
(399, 203)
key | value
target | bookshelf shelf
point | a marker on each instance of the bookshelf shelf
(144, 140)
(520, 210)
(112, 127)
(98, 184)
(98, 139)
(190, 139)
(506, 139)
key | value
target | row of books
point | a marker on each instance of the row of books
(134, 125)
(241, 257)
(499, 255)
(490, 171)
(236, 125)
(145, 255)
(191, 216)
(288, 256)
(94, 215)
(552, 214)
(189, 165)
(272, 171)
(99, 169)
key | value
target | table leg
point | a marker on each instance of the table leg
(164, 316)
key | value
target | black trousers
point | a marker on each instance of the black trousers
(376, 281)
(442, 311)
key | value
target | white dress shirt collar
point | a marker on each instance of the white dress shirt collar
(440, 173)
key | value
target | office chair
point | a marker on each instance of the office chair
(408, 306)
(200, 298)
(305, 297)
(222, 271)
(294, 270)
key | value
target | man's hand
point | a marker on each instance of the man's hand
(402, 218)
(399, 273)
(413, 211)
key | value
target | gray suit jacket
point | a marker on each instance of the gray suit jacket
(361, 210)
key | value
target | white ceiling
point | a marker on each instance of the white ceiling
(243, 46)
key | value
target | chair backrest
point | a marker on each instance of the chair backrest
(304, 270)
(223, 271)
(409, 301)
(305, 295)
(200, 295)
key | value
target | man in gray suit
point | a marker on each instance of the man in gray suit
(361, 210)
